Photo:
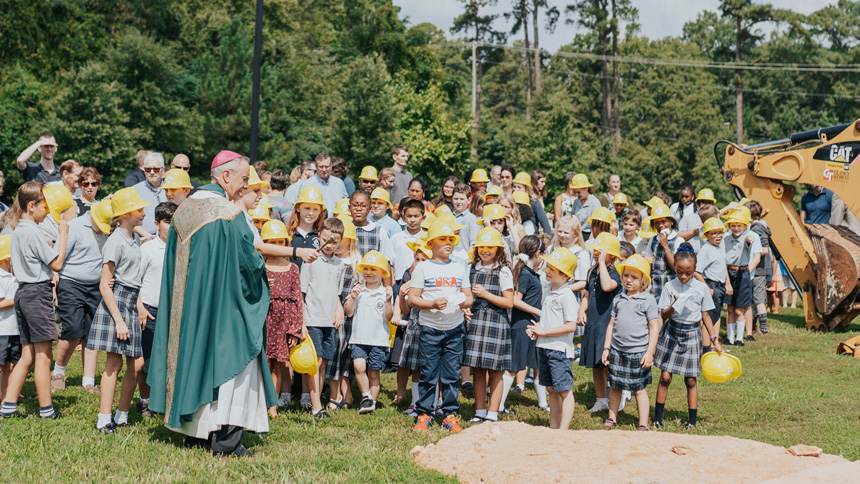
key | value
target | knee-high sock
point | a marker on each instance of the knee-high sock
(730, 332)
(541, 393)
(507, 382)
(740, 328)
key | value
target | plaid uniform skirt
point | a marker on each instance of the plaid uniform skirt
(409, 354)
(341, 365)
(488, 340)
(102, 335)
(679, 349)
(626, 372)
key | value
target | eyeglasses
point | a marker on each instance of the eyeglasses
(89, 184)
(186, 168)
(152, 170)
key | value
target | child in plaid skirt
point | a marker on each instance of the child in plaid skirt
(116, 327)
(488, 336)
(685, 303)
(661, 248)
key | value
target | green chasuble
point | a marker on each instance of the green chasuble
(212, 308)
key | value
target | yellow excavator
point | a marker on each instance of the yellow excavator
(824, 260)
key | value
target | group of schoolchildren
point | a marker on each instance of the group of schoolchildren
(472, 291)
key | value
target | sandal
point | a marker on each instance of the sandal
(643, 428)
(337, 405)
(609, 423)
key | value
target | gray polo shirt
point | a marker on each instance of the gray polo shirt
(124, 252)
(322, 282)
(83, 262)
(632, 314)
(694, 298)
(738, 251)
(154, 196)
(711, 262)
(31, 253)
(583, 211)
(50, 229)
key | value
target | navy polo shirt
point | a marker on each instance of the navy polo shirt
(309, 241)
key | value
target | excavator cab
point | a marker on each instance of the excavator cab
(823, 259)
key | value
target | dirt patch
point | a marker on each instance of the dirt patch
(516, 452)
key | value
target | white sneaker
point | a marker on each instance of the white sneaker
(601, 404)
(545, 407)
(410, 410)
(306, 402)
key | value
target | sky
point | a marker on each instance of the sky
(658, 18)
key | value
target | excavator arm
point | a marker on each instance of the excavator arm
(823, 259)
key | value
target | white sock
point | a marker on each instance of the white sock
(740, 327)
(541, 394)
(88, 381)
(284, 395)
(59, 370)
(415, 393)
(120, 417)
(522, 388)
(306, 396)
(366, 395)
(481, 413)
(730, 332)
(507, 381)
(104, 419)
(144, 401)
(492, 416)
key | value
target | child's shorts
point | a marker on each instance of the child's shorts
(148, 336)
(759, 291)
(323, 339)
(76, 307)
(741, 289)
(718, 297)
(376, 356)
(34, 308)
(10, 349)
(556, 370)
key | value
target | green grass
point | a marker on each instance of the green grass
(794, 389)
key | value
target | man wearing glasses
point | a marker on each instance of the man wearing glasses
(332, 187)
(153, 168)
(45, 169)
(182, 162)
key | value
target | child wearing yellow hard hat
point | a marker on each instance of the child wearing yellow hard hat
(380, 207)
(684, 304)
(711, 268)
(743, 251)
(554, 336)
(631, 339)
(488, 337)
(601, 220)
(478, 180)
(303, 228)
(412, 214)
(338, 369)
(10, 339)
(407, 352)
(177, 185)
(440, 290)
(661, 247)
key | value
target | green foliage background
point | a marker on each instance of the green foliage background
(351, 77)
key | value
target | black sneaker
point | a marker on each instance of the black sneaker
(54, 416)
(749, 338)
(239, 451)
(16, 414)
(321, 415)
(367, 406)
(507, 411)
(739, 342)
(467, 386)
(689, 426)
(107, 429)
(725, 341)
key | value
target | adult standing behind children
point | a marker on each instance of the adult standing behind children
(614, 185)
(44, 169)
(400, 190)
(148, 191)
(137, 175)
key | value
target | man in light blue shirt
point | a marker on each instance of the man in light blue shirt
(153, 168)
(332, 187)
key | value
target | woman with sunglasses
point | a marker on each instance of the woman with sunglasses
(89, 182)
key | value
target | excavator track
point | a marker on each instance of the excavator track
(837, 268)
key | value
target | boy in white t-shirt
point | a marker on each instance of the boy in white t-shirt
(369, 306)
(10, 342)
(440, 290)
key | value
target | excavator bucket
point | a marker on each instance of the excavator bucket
(837, 251)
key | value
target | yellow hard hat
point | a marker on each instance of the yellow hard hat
(654, 201)
(254, 181)
(479, 176)
(740, 215)
(348, 229)
(311, 195)
(264, 201)
(273, 230)
(260, 213)
(369, 173)
(563, 260)
(126, 201)
(711, 225)
(374, 258)
(523, 178)
(646, 232)
(442, 229)
(522, 198)
(442, 210)
(620, 199)
(342, 207)
(602, 214)
(429, 218)
(706, 194)
(380, 193)
(421, 245)
(392, 334)
(176, 178)
(303, 357)
(493, 191)
(718, 368)
(638, 262)
(607, 242)
(489, 237)
(449, 219)
(493, 211)
(58, 198)
(5, 246)
(660, 211)
(579, 181)
(102, 213)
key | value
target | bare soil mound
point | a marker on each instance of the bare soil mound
(516, 452)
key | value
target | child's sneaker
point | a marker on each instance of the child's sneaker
(476, 419)
(439, 410)
(423, 423)
(545, 407)
(516, 390)
(410, 410)
(367, 406)
(600, 404)
(58, 382)
(452, 424)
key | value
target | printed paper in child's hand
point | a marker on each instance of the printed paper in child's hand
(453, 304)
(683, 301)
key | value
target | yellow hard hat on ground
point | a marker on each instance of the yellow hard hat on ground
(254, 181)
(718, 368)
(175, 178)
(637, 262)
(369, 173)
(442, 229)
(523, 178)
(489, 237)
(311, 195)
(740, 215)
(303, 357)
(126, 201)
(102, 213)
(374, 258)
(494, 211)
(711, 225)
(342, 207)
(660, 211)
(420, 245)
(654, 201)
(620, 199)
(706, 195)
(563, 260)
(429, 218)
(260, 213)
(380, 193)
(607, 242)
(58, 198)
(579, 181)
(602, 214)
(5, 246)
(493, 191)
(479, 176)
(442, 210)
(273, 230)
(522, 198)
(348, 229)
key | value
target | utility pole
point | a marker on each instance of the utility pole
(255, 87)
(474, 101)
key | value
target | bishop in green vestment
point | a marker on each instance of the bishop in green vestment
(208, 371)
